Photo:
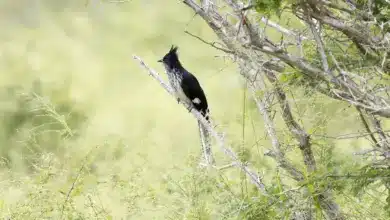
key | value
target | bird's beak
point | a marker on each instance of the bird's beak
(160, 61)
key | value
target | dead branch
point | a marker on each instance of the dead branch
(212, 44)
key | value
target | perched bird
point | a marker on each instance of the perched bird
(187, 89)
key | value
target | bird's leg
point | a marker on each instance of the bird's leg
(178, 100)
(190, 107)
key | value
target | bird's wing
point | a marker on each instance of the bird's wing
(194, 92)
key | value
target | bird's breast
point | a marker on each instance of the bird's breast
(175, 81)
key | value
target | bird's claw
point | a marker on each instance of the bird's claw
(190, 108)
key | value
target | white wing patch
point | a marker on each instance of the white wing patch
(196, 101)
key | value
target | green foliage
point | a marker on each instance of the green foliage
(244, 155)
(268, 7)
(33, 125)
(291, 78)
(369, 175)
(380, 10)
(260, 208)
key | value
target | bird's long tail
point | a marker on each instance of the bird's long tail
(206, 144)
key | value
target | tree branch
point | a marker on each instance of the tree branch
(276, 153)
(320, 45)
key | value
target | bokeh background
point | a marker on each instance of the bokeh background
(85, 133)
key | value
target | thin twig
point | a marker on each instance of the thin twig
(213, 44)
(74, 182)
(320, 45)
(281, 29)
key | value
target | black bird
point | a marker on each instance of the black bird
(187, 89)
(184, 84)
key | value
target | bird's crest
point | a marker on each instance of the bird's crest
(173, 50)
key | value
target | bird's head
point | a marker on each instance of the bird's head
(171, 60)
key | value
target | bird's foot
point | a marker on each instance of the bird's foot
(190, 108)
(178, 100)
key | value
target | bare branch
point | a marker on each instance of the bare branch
(320, 45)
(281, 29)
(212, 44)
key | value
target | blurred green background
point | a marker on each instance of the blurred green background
(87, 134)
